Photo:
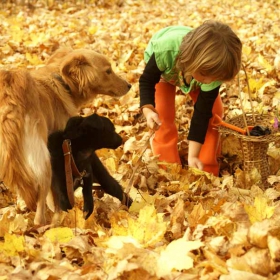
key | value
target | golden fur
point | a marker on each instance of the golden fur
(34, 104)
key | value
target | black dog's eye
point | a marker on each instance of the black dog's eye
(109, 71)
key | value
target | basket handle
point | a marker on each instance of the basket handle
(250, 98)
(217, 121)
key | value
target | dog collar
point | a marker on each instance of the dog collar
(59, 78)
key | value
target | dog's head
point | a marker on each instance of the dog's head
(88, 73)
(95, 132)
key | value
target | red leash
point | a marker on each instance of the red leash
(71, 170)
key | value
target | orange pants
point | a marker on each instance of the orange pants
(166, 137)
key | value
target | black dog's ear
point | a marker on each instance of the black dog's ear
(55, 141)
(73, 128)
(79, 126)
(93, 121)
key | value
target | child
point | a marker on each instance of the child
(197, 61)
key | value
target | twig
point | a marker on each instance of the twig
(242, 109)
(129, 185)
(250, 95)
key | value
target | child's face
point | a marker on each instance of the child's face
(203, 79)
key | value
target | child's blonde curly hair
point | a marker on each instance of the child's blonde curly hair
(212, 49)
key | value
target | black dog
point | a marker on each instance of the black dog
(86, 135)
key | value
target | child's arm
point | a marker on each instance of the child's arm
(199, 124)
(202, 114)
(147, 83)
(193, 160)
(152, 118)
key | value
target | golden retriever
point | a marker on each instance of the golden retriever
(34, 104)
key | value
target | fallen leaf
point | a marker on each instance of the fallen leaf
(155, 227)
(12, 245)
(260, 210)
(175, 256)
(59, 234)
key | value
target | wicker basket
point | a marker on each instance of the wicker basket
(254, 148)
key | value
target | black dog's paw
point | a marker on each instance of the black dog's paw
(127, 200)
(64, 203)
(88, 202)
(87, 213)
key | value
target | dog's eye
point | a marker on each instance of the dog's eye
(109, 71)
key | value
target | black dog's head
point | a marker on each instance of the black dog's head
(95, 132)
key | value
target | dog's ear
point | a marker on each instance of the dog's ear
(93, 122)
(73, 128)
(81, 126)
(75, 71)
(55, 141)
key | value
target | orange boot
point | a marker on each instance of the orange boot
(166, 137)
(212, 146)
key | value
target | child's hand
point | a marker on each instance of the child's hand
(195, 162)
(152, 118)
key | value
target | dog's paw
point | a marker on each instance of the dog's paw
(56, 219)
(87, 213)
(127, 200)
(64, 203)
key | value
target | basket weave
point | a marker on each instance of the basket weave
(254, 148)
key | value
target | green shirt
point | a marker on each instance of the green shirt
(165, 44)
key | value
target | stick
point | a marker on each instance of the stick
(129, 185)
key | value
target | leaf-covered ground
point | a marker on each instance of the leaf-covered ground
(184, 224)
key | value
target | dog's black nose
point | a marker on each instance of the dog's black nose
(129, 86)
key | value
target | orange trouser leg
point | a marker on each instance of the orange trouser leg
(166, 137)
(212, 146)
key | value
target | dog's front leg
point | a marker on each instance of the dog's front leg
(87, 195)
(40, 218)
(107, 182)
(59, 190)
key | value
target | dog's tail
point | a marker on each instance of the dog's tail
(14, 171)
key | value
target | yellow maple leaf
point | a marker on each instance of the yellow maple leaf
(146, 199)
(17, 33)
(255, 85)
(33, 59)
(59, 234)
(12, 245)
(199, 172)
(175, 256)
(92, 29)
(36, 39)
(264, 63)
(260, 210)
(148, 229)
(247, 50)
